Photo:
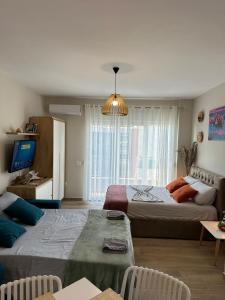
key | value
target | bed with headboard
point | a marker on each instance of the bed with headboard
(181, 220)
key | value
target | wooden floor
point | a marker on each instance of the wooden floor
(183, 259)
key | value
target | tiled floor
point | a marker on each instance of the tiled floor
(185, 260)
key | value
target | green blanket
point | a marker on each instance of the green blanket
(87, 259)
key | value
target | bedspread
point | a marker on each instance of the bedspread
(87, 259)
(116, 198)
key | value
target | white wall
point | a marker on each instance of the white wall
(75, 138)
(211, 154)
(17, 103)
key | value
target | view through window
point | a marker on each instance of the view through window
(137, 151)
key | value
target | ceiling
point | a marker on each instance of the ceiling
(169, 48)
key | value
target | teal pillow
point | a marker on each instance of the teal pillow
(4, 216)
(9, 232)
(24, 212)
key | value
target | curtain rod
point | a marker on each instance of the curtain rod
(163, 106)
(149, 107)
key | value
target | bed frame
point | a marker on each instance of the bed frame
(159, 228)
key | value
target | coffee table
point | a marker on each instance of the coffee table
(212, 227)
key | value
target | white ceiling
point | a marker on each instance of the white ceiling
(176, 48)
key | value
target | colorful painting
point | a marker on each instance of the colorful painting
(217, 124)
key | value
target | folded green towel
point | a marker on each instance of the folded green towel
(115, 215)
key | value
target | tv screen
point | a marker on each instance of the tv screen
(23, 155)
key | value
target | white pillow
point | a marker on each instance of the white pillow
(190, 179)
(206, 194)
(7, 199)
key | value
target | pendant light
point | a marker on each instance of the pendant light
(115, 104)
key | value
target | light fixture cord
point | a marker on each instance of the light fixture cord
(115, 85)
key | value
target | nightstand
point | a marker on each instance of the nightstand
(212, 227)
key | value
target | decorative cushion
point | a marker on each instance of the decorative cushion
(4, 216)
(206, 194)
(6, 200)
(176, 184)
(190, 179)
(24, 212)
(50, 204)
(9, 232)
(184, 193)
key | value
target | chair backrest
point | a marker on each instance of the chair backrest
(30, 287)
(143, 284)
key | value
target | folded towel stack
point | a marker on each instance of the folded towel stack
(113, 245)
(145, 195)
(115, 215)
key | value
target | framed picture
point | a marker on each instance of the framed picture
(217, 124)
(31, 127)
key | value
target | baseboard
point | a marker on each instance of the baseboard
(72, 199)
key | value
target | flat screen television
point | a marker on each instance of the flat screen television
(22, 155)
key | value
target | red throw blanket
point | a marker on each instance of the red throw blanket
(116, 198)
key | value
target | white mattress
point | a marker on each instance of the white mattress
(45, 247)
(169, 208)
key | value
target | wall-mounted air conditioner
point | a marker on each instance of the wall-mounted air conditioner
(63, 109)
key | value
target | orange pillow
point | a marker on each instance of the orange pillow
(176, 184)
(184, 193)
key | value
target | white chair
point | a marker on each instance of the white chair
(147, 284)
(30, 287)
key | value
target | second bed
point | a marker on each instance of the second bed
(168, 219)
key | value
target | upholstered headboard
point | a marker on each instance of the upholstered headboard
(214, 180)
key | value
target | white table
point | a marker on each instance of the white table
(82, 289)
(212, 227)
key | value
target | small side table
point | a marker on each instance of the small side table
(212, 227)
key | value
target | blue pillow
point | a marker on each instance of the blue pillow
(24, 212)
(9, 232)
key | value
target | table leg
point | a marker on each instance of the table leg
(223, 246)
(201, 235)
(217, 250)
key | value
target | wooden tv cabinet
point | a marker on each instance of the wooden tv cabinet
(37, 189)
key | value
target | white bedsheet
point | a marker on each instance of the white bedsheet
(53, 236)
(169, 208)
(45, 247)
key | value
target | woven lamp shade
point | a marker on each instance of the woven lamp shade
(120, 109)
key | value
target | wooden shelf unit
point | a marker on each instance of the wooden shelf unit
(49, 159)
(37, 189)
(50, 152)
(23, 133)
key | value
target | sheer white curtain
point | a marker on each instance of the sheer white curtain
(137, 149)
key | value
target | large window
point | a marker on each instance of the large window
(137, 149)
